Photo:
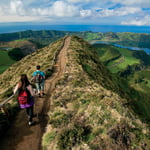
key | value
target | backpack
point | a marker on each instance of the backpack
(24, 97)
(38, 78)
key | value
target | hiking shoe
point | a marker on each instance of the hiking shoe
(31, 123)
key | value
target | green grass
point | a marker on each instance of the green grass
(5, 61)
(141, 80)
(128, 60)
(3, 68)
(47, 138)
(22, 39)
(91, 36)
(111, 55)
(106, 52)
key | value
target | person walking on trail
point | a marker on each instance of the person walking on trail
(38, 79)
(25, 96)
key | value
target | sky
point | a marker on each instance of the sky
(66, 12)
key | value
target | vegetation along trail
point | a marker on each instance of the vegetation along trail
(20, 136)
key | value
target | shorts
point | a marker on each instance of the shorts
(40, 86)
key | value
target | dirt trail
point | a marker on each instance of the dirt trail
(21, 136)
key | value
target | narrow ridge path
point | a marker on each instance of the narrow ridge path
(20, 136)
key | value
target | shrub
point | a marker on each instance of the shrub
(60, 119)
(47, 138)
(73, 135)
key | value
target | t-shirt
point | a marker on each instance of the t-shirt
(41, 73)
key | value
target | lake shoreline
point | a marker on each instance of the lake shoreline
(121, 46)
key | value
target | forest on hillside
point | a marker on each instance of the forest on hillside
(45, 37)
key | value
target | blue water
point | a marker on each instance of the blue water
(77, 28)
(93, 28)
(134, 48)
(121, 46)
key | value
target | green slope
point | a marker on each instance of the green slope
(5, 60)
(86, 113)
(133, 67)
(116, 59)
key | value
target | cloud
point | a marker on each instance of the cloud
(123, 11)
(111, 11)
(142, 3)
(16, 7)
(58, 9)
(78, 1)
(17, 18)
(62, 9)
(138, 21)
(86, 13)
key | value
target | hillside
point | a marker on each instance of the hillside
(27, 65)
(45, 37)
(26, 42)
(131, 66)
(13, 51)
(26, 46)
(89, 108)
(118, 59)
(86, 113)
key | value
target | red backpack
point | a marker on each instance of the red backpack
(24, 97)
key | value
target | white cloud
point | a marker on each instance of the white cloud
(142, 3)
(85, 13)
(77, 1)
(14, 11)
(1, 11)
(74, 10)
(138, 21)
(62, 9)
(58, 9)
(119, 11)
(16, 7)
(17, 18)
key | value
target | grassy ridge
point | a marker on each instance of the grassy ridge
(127, 60)
(141, 80)
(106, 52)
(86, 113)
(132, 65)
(11, 76)
(27, 65)
(111, 55)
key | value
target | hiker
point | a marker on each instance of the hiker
(38, 79)
(25, 96)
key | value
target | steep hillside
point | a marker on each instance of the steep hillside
(27, 65)
(26, 47)
(14, 51)
(118, 59)
(107, 53)
(87, 112)
(133, 67)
